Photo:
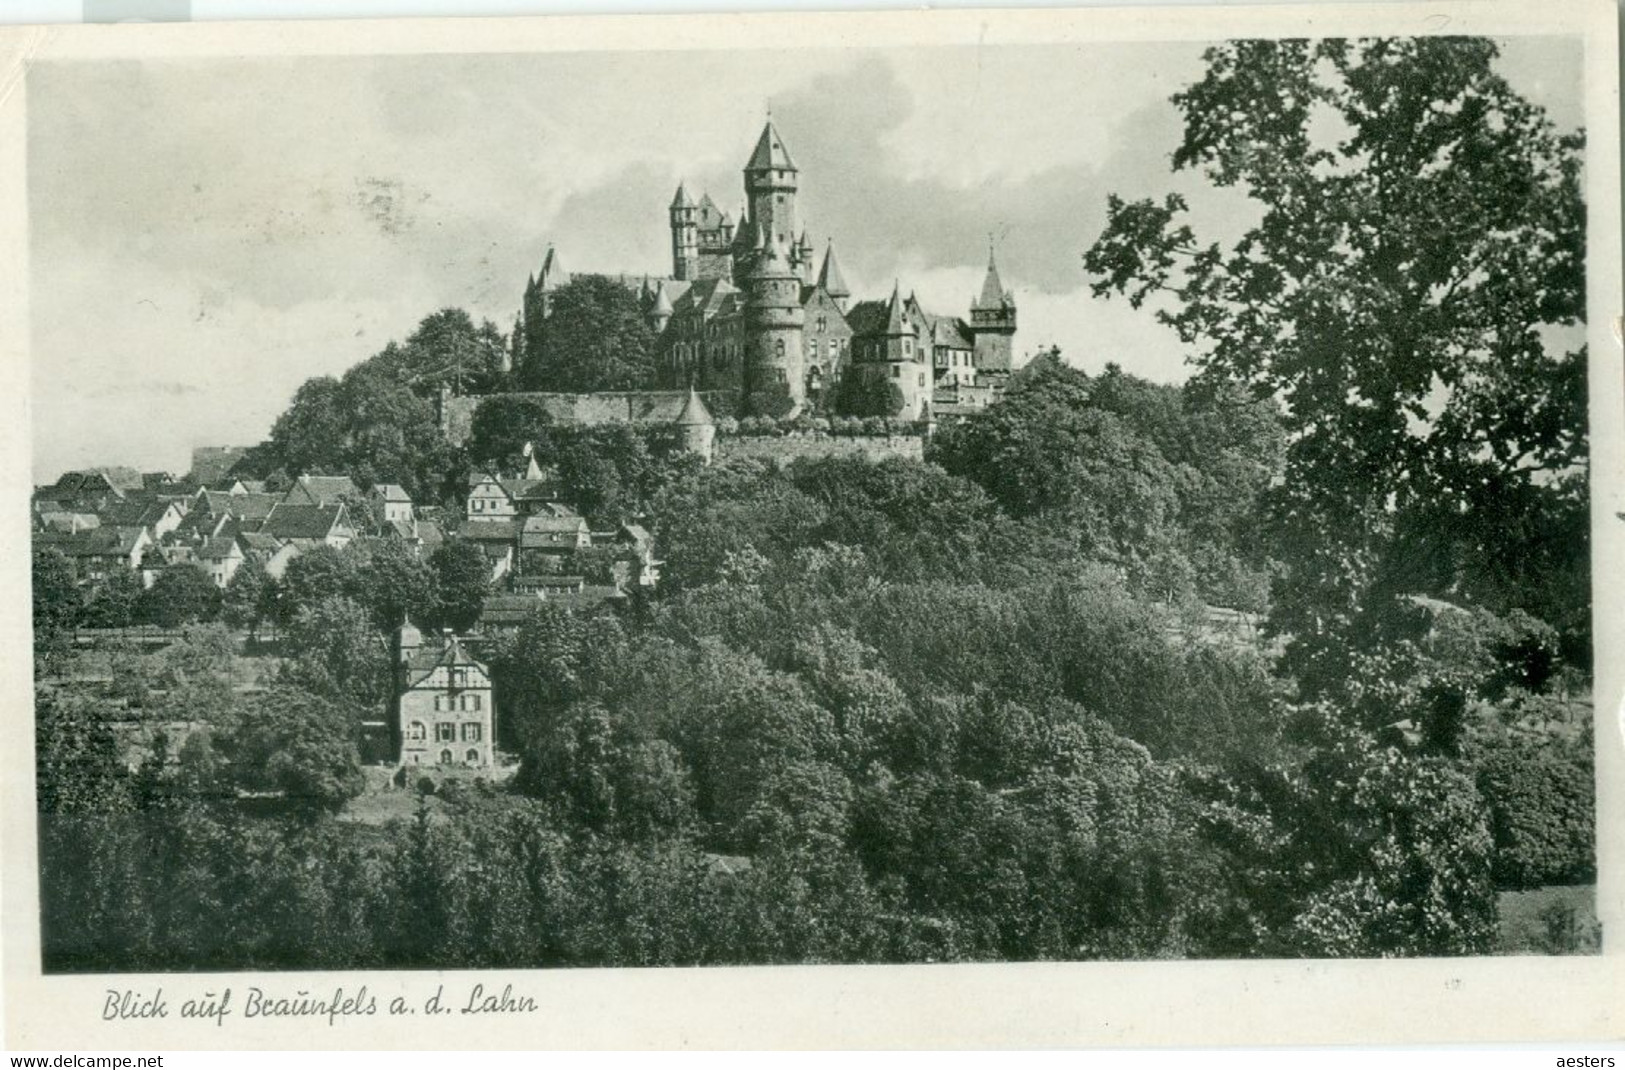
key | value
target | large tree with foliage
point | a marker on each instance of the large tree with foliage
(1418, 257)
(448, 350)
(595, 338)
(180, 595)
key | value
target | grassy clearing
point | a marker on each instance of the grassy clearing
(1555, 920)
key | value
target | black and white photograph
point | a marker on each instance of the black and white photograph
(736, 503)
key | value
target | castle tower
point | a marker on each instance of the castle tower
(685, 236)
(993, 322)
(773, 326)
(660, 311)
(831, 279)
(771, 179)
(902, 359)
(697, 431)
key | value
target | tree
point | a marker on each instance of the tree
(1044, 449)
(867, 394)
(595, 338)
(1421, 235)
(115, 601)
(248, 596)
(393, 581)
(448, 350)
(57, 602)
(299, 744)
(1358, 850)
(320, 573)
(462, 578)
(339, 654)
(368, 425)
(504, 425)
(182, 594)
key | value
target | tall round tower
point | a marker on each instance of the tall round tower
(773, 326)
(685, 236)
(770, 189)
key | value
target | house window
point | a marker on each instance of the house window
(459, 677)
(471, 702)
(473, 756)
(445, 732)
(445, 757)
(479, 505)
(471, 733)
(416, 730)
(896, 371)
(922, 378)
(778, 347)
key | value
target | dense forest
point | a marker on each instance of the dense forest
(1292, 659)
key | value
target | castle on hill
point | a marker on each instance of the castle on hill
(750, 312)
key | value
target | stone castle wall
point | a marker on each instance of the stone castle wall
(790, 447)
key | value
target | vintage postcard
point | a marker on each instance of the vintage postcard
(1014, 528)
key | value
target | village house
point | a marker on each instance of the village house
(220, 557)
(100, 551)
(445, 714)
(394, 505)
(548, 543)
(306, 526)
(320, 490)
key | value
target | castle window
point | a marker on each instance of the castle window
(778, 347)
(473, 756)
(416, 730)
(922, 378)
(445, 757)
(445, 732)
(471, 733)
(896, 371)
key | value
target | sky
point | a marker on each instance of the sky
(207, 234)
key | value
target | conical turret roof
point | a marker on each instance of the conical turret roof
(681, 199)
(694, 411)
(992, 296)
(894, 312)
(830, 277)
(662, 302)
(770, 153)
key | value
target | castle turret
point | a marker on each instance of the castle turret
(993, 322)
(831, 279)
(804, 259)
(902, 359)
(773, 326)
(771, 179)
(407, 640)
(685, 236)
(660, 311)
(695, 428)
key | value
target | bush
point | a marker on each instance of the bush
(1542, 812)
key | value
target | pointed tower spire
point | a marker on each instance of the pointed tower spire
(681, 199)
(770, 153)
(894, 311)
(830, 277)
(992, 296)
